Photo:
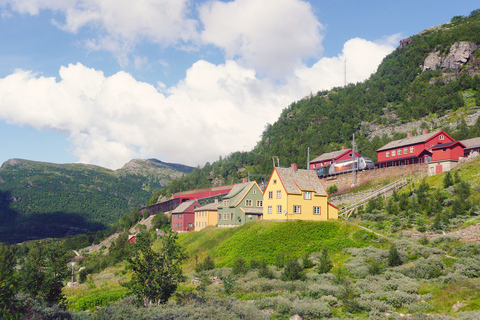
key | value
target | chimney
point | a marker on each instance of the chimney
(425, 131)
(244, 180)
(294, 166)
(215, 201)
(409, 134)
(344, 148)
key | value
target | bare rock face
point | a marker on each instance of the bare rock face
(459, 54)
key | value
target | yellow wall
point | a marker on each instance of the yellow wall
(205, 218)
(287, 201)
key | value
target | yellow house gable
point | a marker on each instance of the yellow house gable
(296, 195)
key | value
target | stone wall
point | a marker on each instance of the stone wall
(343, 181)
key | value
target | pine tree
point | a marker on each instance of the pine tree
(325, 263)
(394, 257)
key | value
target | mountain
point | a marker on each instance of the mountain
(431, 81)
(39, 200)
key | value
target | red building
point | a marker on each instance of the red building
(183, 217)
(331, 157)
(445, 157)
(202, 193)
(412, 149)
(472, 147)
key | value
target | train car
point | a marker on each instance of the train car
(360, 164)
(322, 171)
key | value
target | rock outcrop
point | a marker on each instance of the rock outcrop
(459, 54)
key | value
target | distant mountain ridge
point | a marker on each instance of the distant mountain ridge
(40, 199)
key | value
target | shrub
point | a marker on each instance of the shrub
(332, 189)
(311, 309)
(325, 263)
(394, 257)
(264, 271)
(293, 271)
(207, 264)
(429, 268)
(307, 263)
(239, 266)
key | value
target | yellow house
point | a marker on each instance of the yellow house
(293, 194)
(206, 215)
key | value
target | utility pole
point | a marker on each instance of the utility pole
(278, 161)
(354, 164)
(308, 158)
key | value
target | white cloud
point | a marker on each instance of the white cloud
(110, 120)
(119, 24)
(269, 35)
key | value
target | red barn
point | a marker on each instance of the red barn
(331, 157)
(412, 149)
(183, 217)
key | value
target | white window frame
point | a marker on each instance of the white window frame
(412, 149)
(307, 195)
(279, 208)
(297, 209)
(441, 137)
(269, 209)
(317, 212)
(279, 194)
(248, 202)
(259, 203)
(393, 153)
(270, 194)
(388, 154)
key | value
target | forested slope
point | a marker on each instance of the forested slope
(39, 200)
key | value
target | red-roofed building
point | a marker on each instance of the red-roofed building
(445, 157)
(412, 149)
(183, 217)
(331, 157)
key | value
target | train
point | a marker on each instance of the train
(360, 164)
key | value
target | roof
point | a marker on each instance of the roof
(471, 143)
(408, 141)
(300, 180)
(238, 192)
(330, 155)
(448, 144)
(183, 206)
(248, 210)
(210, 206)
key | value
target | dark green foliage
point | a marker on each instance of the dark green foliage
(43, 272)
(307, 263)
(293, 271)
(332, 189)
(447, 180)
(239, 266)
(394, 258)
(207, 264)
(325, 263)
(280, 260)
(264, 271)
(228, 283)
(7, 281)
(161, 221)
(374, 266)
(155, 274)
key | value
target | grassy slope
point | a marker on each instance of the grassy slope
(265, 240)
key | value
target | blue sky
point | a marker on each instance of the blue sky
(104, 82)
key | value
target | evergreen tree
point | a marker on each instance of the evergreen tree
(7, 281)
(394, 257)
(447, 180)
(325, 263)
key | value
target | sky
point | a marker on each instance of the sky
(103, 82)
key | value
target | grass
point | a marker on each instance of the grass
(267, 239)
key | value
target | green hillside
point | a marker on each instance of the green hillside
(40, 200)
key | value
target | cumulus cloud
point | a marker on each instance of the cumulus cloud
(119, 24)
(110, 120)
(269, 35)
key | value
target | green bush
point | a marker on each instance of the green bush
(293, 271)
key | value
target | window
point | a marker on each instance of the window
(274, 181)
(399, 151)
(225, 217)
(388, 154)
(219, 216)
(297, 209)
(269, 209)
(393, 153)
(412, 149)
(279, 194)
(307, 195)
(226, 203)
(254, 191)
(279, 209)
(270, 194)
(441, 137)
(231, 216)
(405, 150)
(190, 225)
(259, 203)
(248, 203)
(316, 210)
